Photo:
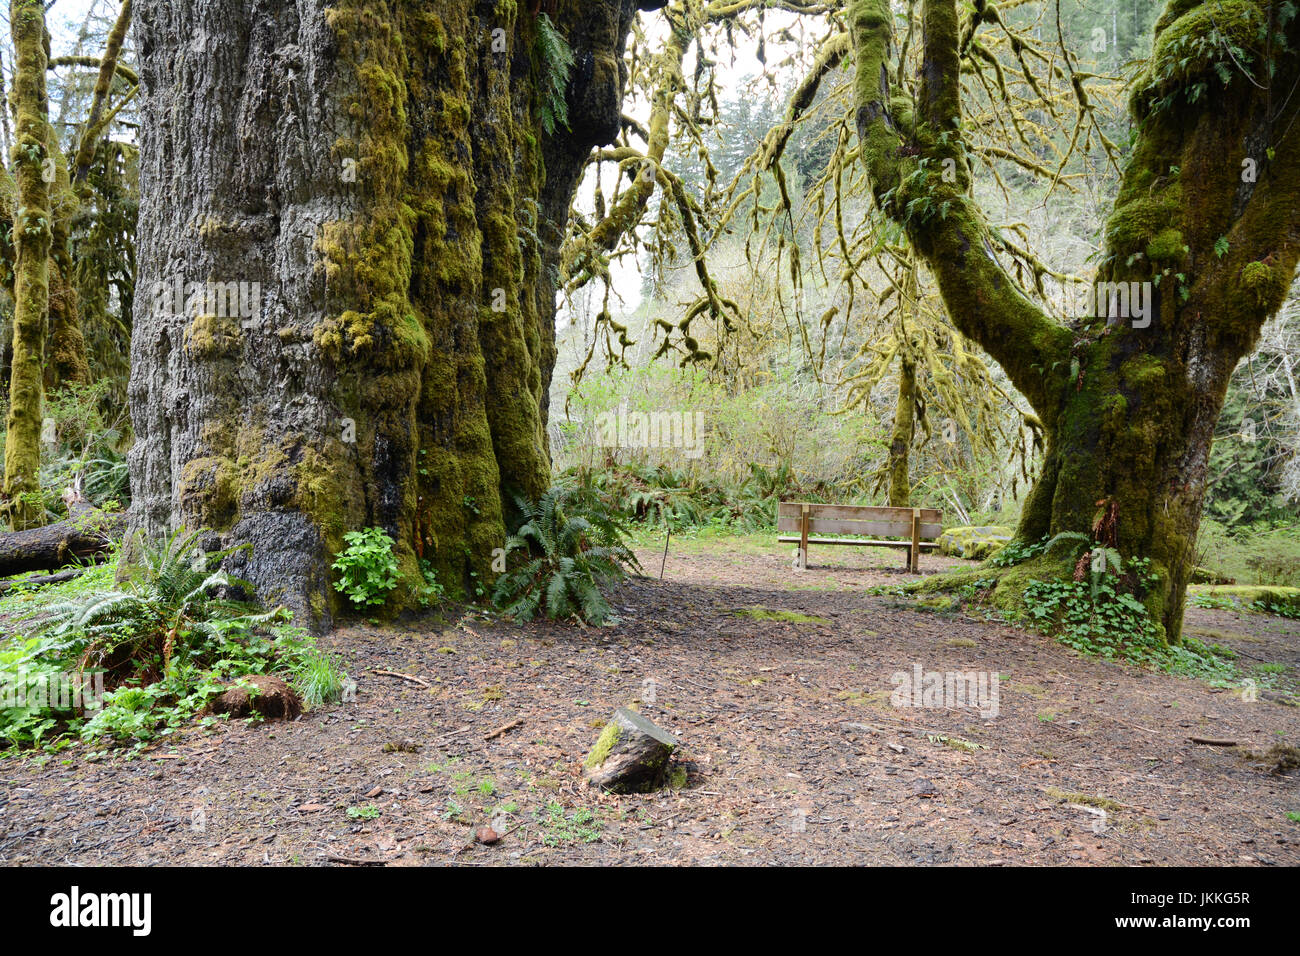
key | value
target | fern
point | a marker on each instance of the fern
(571, 556)
(1067, 536)
(168, 604)
(555, 60)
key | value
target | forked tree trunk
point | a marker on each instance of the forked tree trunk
(1206, 223)
(372, 172)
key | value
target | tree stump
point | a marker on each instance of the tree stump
(631, 754)
(265, 695)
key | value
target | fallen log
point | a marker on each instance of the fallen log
(37, 580)
(78, 538)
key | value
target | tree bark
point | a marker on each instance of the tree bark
(1208, 216)
(374, 172)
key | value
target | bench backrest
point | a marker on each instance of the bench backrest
(858, 519)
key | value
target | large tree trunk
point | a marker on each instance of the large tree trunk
(1208, 217)
(1130, 445)
(374, 170)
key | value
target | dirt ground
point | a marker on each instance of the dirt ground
(793, 751)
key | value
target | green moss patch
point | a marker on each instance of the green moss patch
(767, 614)
(974, 543)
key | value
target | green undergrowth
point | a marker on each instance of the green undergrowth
(685, 500)
(150, 638)
(1278, 601)
(1266, 555)
(1091, 601)
(563, 559)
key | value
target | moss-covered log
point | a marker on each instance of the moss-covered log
(366, 180)
(1207, 224)
(19, 502)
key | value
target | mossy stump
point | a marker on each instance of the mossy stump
(974, 543)
(631, 755)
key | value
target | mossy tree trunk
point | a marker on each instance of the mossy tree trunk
(19, 503)
(900, 438)
(1208, 215)
(374, 172)
(66, 363)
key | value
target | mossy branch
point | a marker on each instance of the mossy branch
(95, 126)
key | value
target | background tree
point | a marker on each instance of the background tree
(32, 234)
(1128, 409)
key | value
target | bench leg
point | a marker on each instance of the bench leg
(914, 554)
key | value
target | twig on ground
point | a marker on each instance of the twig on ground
(410, 677)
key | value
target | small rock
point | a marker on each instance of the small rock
(487, 836)
(924, 788)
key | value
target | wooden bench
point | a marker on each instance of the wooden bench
(917, 527)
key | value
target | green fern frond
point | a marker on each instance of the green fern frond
(554, 62)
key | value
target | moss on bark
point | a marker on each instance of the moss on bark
(900, 439)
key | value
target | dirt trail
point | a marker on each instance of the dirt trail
(793, 750)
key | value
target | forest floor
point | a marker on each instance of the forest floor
(777, 683)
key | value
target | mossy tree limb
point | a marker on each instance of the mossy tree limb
(99, 98)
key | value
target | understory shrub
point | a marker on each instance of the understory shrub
(367, 567)
(567, 553)
(160, 645)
